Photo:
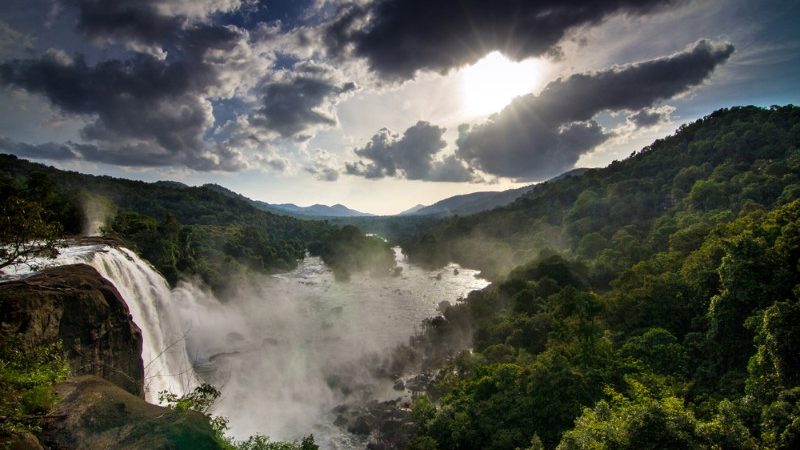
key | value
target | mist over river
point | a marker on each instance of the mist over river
(276, 345)
(283, 350)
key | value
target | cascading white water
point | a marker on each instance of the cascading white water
(166, 363)
(167, 366)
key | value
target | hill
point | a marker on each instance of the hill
(729, 159)
(290, 209)
(466, 204)
(179, 229)
(654, 303)
(412, 211)
(317, 210)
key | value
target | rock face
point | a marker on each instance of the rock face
(77, 306)
(101, 405)
(95, 414)
(387, 424)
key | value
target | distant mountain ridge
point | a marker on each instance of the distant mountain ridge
(317, 210)
(413, 210)
(290, 209)
(476, 202)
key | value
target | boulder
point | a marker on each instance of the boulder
(93, 413)
(75, 305)
(23, 440)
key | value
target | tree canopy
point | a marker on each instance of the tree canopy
(650, 304)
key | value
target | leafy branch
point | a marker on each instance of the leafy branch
(24, 233)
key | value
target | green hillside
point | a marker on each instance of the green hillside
(656, 307)
(706, 173)
(181, 229)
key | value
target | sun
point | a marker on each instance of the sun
(491, 83)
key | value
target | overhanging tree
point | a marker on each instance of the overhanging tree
(24, 233)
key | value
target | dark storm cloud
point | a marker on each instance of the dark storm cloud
(47, 150)
(150, 22)
(450, 168)
(323, 167)
(400, 37)
(410, 156)
(537, 137)
(323, 173)
(147, 110)
(146, 154)
(140, 154)
(291, 107)
(12, 41)
(124, 21)
(649, 117)
(77, 87)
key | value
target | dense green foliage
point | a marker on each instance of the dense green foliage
(202, 399)
(347, 250)
(24, 233)
(179, 229)
(659, 307)
(392, 228)
(632, 209)
(27, 376)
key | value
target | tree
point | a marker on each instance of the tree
(202, 399)
(658, 350)
(24, 233)
(645, 421)
(707, 194)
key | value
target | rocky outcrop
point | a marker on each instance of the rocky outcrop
(20, 441)
(101, 405)
(75, 305)
(95, 414)
(387, 424)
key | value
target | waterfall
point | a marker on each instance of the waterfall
(167, 365)
(284, 350)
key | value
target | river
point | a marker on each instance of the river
(275, 344)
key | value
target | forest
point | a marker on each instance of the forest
(649, 304)
(182, 230)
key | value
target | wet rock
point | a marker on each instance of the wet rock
(340, 422)
(73, 304)
(386, 423)
(21, 441)
(93, 414)
(390, 426)
(419, 382)
(359, 426)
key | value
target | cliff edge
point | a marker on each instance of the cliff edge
(75, 305)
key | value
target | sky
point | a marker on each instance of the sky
(379, 105)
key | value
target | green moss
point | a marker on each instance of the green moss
(27, 376)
